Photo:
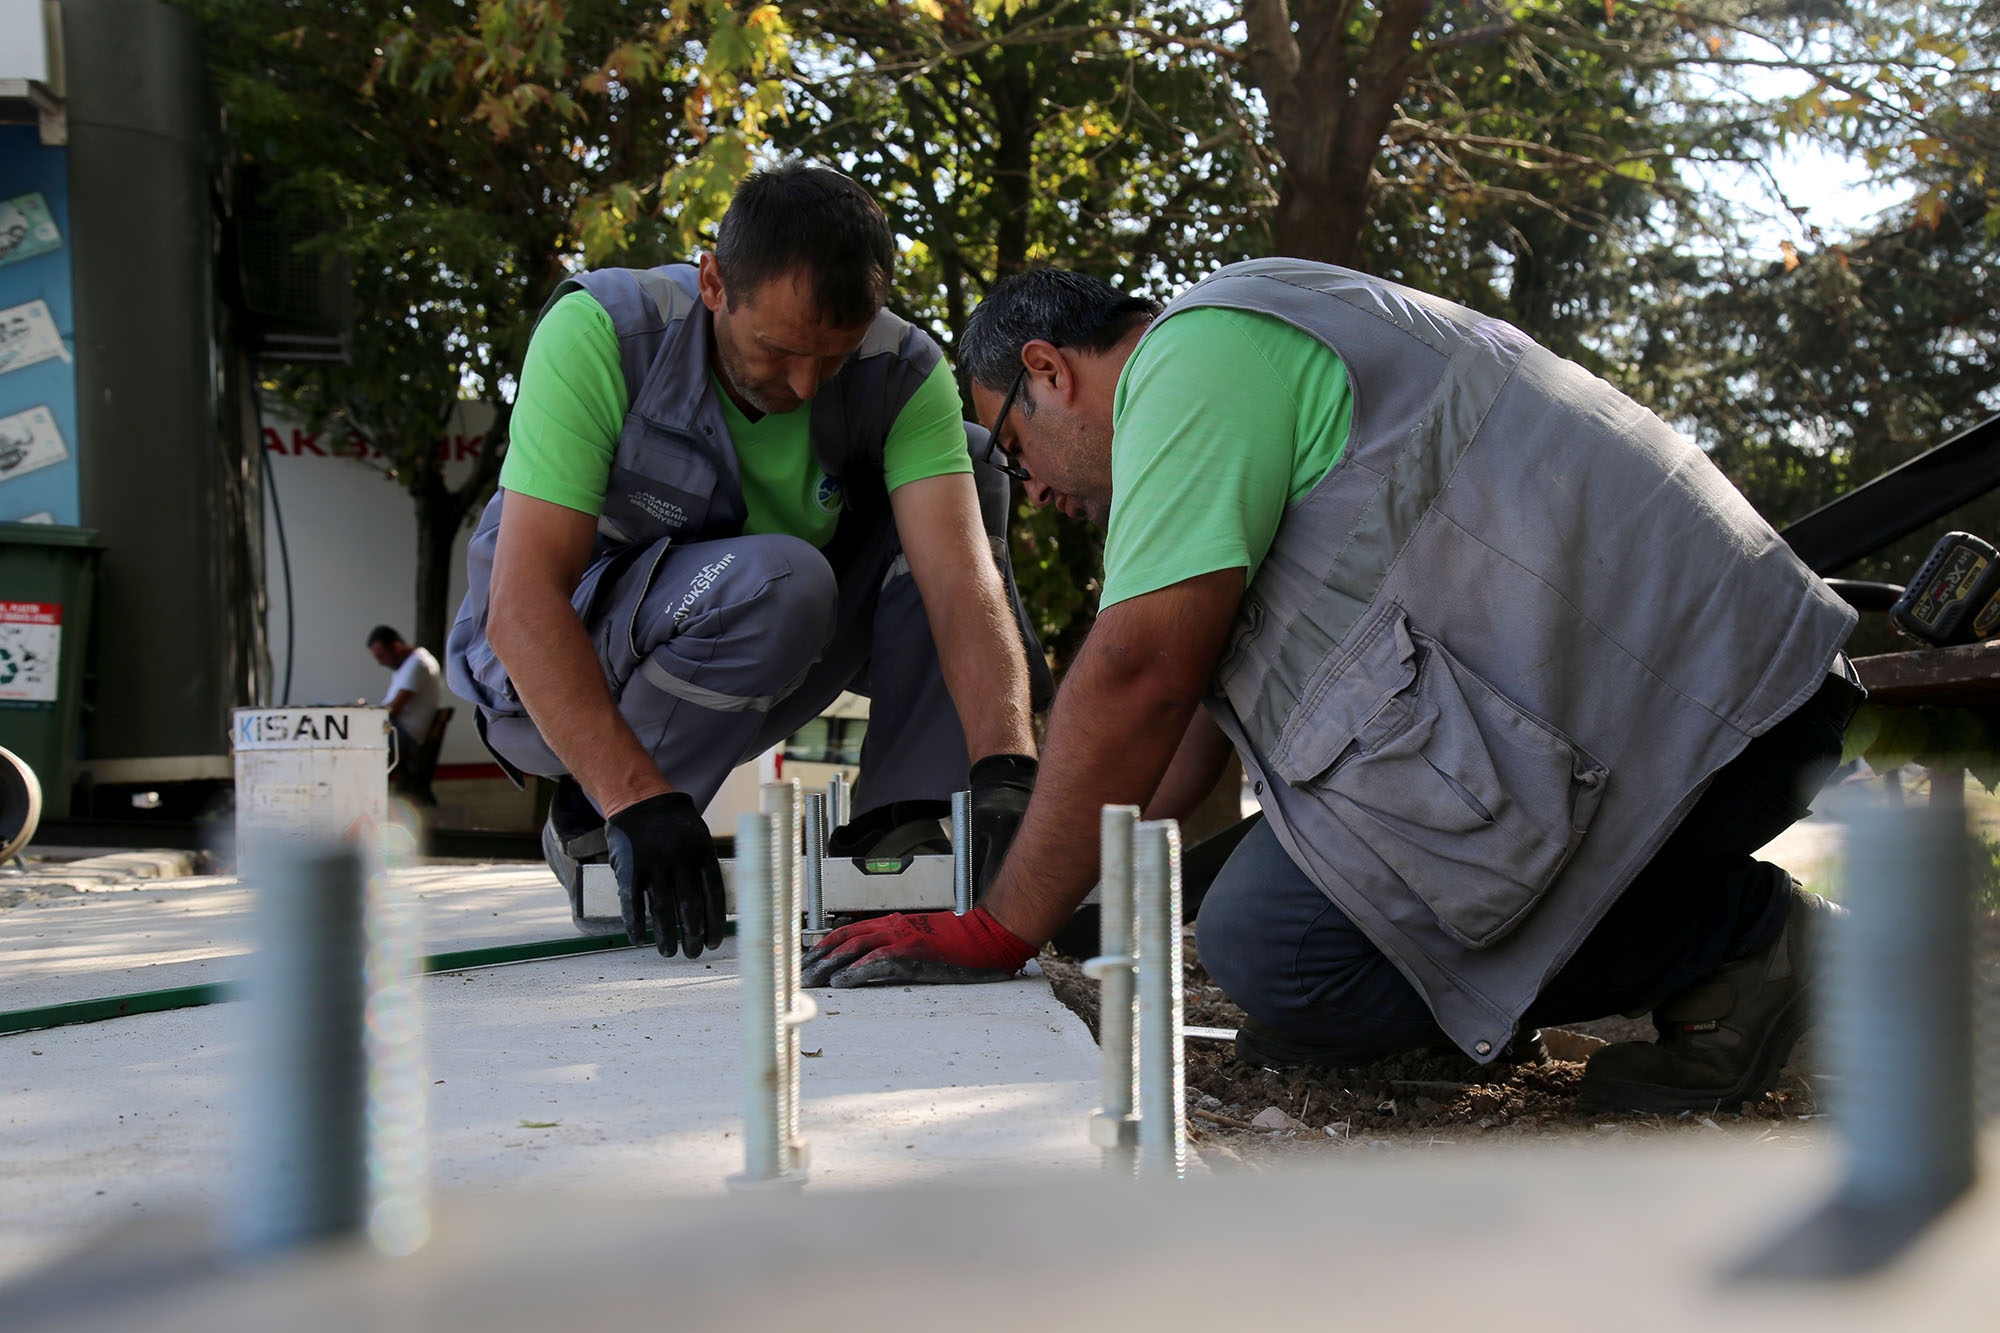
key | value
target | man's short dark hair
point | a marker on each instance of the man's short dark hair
(383, 634)
(800, 216)
(1050, 305)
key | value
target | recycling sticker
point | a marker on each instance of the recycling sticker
(30, 651)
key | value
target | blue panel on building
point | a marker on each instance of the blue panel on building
(38, 444)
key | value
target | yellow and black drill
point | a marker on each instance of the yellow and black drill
(1955, 597)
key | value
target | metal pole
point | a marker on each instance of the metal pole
(757, 947)
(797, 1007)
(961, 852)
(1901, 1015)
(399, 1165)
(836, 801)
(1114, 1127)
(304, 1174)
(1898, 995)
(1156, 877)
(781, 802)
(815, 856)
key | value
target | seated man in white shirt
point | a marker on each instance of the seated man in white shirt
(412, 700)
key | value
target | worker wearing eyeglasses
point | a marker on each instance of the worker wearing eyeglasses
(733, 490)
(1519, 679)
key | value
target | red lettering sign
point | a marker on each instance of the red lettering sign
(450, 448)
(31, 613)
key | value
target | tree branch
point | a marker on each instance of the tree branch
(1271, 54)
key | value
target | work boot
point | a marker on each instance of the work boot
(1723, 1040)
(1260, 1044)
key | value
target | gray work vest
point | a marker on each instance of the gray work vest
(1495, 655)
(675, 474)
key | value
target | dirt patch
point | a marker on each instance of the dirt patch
(1240, 1114)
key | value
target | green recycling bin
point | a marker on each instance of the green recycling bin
(48, 581)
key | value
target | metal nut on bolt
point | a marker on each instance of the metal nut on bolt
(1107, 1131)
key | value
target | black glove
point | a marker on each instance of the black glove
(1001, 785)
(662, 855)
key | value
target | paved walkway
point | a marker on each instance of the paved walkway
(570, 1097)
(610, 1070)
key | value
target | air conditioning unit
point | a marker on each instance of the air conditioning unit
(301, 302)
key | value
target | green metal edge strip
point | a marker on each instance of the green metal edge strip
(112, 1006)
(193, 997)
(522, 953)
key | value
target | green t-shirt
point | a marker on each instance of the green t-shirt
(1221, 418)
(571, 407)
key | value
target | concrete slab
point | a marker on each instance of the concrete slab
(86, 941)
(98, 866)
(64, 942)
(115, 932)
(1532, 1239)
(609, 1070)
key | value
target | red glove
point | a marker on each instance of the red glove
(928, 948)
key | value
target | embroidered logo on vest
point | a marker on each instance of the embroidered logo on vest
(828, 495)
(665, 511)
(700, 584)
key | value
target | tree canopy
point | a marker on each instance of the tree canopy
(459, 160)
(1553, 162)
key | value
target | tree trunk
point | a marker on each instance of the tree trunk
(1331, 101)
(1319, 219)
(442, 513)
(438, 524)
(1016, 104)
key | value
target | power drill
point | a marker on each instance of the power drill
(1955, 597)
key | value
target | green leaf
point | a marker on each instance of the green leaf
(1862, 732)
(1905, 734)
(1985, 766)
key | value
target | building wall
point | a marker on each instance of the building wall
(352, 538)
(166, 473)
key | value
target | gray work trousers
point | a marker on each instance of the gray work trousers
(1280, 948)
(718, 650)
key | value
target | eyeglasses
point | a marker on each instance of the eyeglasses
(995, 455)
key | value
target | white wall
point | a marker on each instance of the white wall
(24, 52)
(352, 535)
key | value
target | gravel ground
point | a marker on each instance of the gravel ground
(1241, 1115)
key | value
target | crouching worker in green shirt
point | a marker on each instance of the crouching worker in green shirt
(733, 491)
(1519, 679)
